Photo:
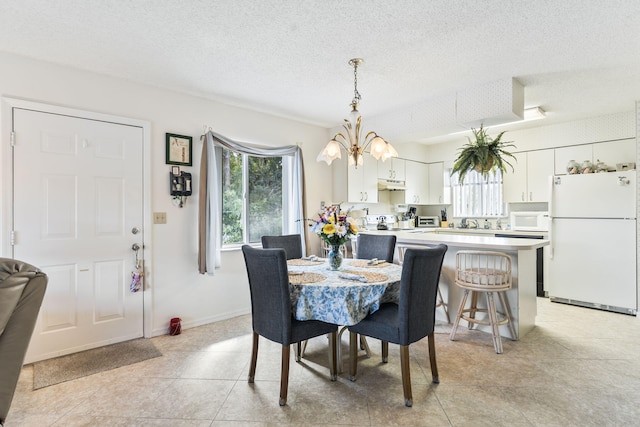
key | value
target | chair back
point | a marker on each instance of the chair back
(270, 296)
(22, 288)
(376, 246)
(483, 270)
(291, 243)
(418, 289)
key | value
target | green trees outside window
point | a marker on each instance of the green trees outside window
(252, 200)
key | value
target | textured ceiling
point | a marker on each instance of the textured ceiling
(575, 58)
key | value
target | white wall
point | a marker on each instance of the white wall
(177, 288)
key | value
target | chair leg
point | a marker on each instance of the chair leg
(463, 301)
(406, 375)
(284, 374)
(298, 352)
(432, 358)
(353, 355)
(493, 319)
(333, 357)
(507, 312)
(385, 351)
(444, 305)
(364, 345)
(254, 358)
(339, 349)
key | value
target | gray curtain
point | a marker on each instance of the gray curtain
(210, 196)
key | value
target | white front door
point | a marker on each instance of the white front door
(78, 209)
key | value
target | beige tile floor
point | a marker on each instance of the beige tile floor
(578, 367)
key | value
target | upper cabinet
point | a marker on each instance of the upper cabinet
(393, 168)
(529, 182)
(355, 185)
(578, 153)
(417, 182)
(436, 183)
(425, 183)
(610, 152)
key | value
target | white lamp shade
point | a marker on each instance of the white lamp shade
(330, 152)
(381, 149)
(352, 160)
(378, 147)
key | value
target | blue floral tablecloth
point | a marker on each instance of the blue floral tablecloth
(342, 301)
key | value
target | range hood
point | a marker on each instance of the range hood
(391, 185)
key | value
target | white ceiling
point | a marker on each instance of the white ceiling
(575, 58)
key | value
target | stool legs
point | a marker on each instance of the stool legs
(456, 322)
(494, 321)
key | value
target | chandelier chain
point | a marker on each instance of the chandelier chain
(356, 94)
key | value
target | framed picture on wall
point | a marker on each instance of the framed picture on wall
(179, 149)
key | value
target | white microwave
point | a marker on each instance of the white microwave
(530, 221)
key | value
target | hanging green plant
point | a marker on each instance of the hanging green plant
(483, 154)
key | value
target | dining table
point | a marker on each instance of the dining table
(344, 296)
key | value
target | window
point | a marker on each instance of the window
(252, 197)
(478, 196)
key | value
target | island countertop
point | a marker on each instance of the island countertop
(421, 236)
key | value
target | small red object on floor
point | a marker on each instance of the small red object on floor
(175, 328)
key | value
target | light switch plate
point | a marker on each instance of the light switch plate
(159, 217)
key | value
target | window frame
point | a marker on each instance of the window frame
(286, 191)
(491, 200)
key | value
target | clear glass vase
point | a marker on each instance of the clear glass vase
(335, 257)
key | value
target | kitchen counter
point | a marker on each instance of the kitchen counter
(522, 296)
(485, 231)
(461, 238)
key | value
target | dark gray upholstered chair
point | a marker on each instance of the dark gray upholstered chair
(22, 289)
(369, 246)
(291, 244)
(271, 312)
(412, 319)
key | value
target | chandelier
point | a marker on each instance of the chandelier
(352, 143)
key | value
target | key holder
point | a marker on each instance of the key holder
(179, 186)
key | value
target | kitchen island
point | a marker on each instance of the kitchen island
(522, 296)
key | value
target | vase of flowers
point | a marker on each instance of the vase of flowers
(334, 229)
(335, 257)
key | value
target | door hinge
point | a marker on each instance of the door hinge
(12, 238)
(12, 138)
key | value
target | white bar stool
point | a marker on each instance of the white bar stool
(487, 272)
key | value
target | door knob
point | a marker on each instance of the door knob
(135, 247)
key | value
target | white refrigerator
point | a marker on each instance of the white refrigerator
(592, 229)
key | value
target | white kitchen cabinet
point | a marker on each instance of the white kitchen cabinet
(579, 153)
(514, 182)
(609, 152)
(436, 183)
(529, 181)
(417, 182)
(355, 185)
(392, 168)
(612, 152)
(539, 169)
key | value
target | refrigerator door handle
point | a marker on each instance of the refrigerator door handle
(551, 213)
(550, 237)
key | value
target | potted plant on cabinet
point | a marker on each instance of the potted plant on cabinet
(483, 154)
